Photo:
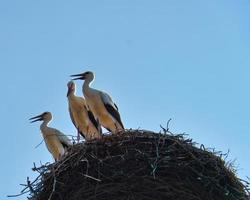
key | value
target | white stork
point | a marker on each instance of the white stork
(56, 142)
(100, 104)
(81, 116)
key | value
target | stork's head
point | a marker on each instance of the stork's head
(45, 116)
(84, 76)
(71, 87)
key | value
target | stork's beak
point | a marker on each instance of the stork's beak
(36, 118)
(78, 76)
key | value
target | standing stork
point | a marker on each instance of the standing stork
(100, 104)
(81, 116)
(56, 142)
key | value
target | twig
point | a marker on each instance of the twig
(39, 144)
(54, 184)
(30, 186)
(17, 195)
(91, 177)
(166, 130)
(168, 124)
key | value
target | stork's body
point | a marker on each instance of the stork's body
(56, 142)
(101, 105)
(81, 116)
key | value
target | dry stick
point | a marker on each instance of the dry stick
(154, 166)
(39, 144)
(184, 151)
(168, 124)
(17, 195)
(91, 177)
(42, 168)
(64, 161)
(27, 186)
(87, 169)
(166, 130)
(54, 184)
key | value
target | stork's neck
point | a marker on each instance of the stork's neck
(44, 125)
(71, 95)
(86, 85)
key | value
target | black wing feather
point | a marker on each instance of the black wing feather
(116, 107)
(114, 113)
(93, 120)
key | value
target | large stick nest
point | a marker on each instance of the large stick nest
(139, 165)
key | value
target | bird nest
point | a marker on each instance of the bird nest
(139, 165)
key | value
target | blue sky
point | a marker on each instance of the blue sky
(185, 60)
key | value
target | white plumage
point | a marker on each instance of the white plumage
(56, 142)
(81, 116)
(101, 104)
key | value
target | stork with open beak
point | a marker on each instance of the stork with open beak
(56, 142)
(81, 116)
(100, 104)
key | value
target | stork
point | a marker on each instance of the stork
(81, 116)
(56, 142)
(100, 104)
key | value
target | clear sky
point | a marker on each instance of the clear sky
(185, 60)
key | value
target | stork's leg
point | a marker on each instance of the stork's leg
(78, 136)
(116, 128)
(60, 156)
(118, 131)
(88, 134)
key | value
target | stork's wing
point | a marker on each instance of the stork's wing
(73, 121)
(63, 139)
(116, 107)
(47, 147)
(93, 120)
(111, 107)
